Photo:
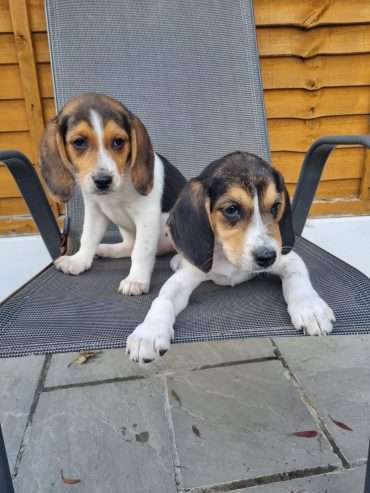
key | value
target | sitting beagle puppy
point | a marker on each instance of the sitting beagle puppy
(97, 142)
(230, 223)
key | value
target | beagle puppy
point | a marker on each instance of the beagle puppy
(230, 223)
(97, 142)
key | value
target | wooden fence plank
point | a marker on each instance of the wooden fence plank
(8, 187)
(37, 15)
(21, 141)
(13, 114)
(11, 85)
(343, 163)
(298, 135)
(40, 41)
(13, 206)
(298, 103)
(340, 208)
(13, 225)
(48, 108)
(5, 21)
(311, 13)
(27, 66)
(8, 53)
(46, 85)
(292, 41)
(315, 73)
(333, 189)
(365, 178)
(21, 225)
(7, 49)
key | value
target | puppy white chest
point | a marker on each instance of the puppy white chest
(117, 211)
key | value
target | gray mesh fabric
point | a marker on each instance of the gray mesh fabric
(59, 313)
(188, 68)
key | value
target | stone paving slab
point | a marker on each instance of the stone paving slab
(113, 437)
(236, 423)
(335, 373)
(115, 364)
(18, 382)
(351, 481)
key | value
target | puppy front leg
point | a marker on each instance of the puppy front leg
(122, 249)
(95, 224)
(306, 309)
(142, 256)
(152, 338)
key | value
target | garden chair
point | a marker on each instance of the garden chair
(190, 71)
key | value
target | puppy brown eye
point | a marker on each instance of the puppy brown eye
(232, 212)
(117, 144)
(80, 144)
(275, 209)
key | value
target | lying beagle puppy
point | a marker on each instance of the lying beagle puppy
(98, 143)
(228, 224)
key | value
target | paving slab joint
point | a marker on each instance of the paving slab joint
(176, 457)
(35, 400)
(224, 364)
(319, 420)
(263, 480)
(92, 383)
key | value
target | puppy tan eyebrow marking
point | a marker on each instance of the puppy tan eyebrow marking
(112, 129)
(238, 194)
(270, 196)
(81, 129)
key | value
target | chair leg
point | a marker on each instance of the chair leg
(367, 479)
(6, 483)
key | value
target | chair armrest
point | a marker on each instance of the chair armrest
(311, 170)
(33, 193)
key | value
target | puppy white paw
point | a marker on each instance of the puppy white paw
(149, 341)
(114, 250)
(73, 264)
(130, 287)
(175, 262)
(312, 315)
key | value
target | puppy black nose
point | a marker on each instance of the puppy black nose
(264, 257)
(102, 182)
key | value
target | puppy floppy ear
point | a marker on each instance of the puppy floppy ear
(142, 158)
(190, 227)
(55, 166)
(286, 226)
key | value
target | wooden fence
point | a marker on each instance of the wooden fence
(315, 60)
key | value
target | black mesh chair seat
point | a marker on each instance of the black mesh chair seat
(60, 313)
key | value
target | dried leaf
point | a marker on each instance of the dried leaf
(306, 434)
(340, 424)
(83, 358)
(68, 480)
(176, 397)
(196, 431)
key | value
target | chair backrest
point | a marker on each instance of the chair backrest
(188, 68)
